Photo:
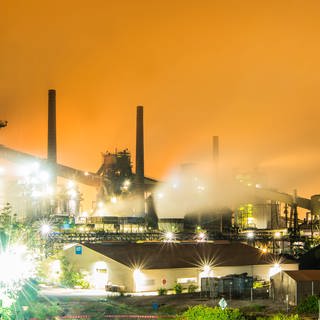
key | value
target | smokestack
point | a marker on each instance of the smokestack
(215, 153)
(140, 156)
(52, 137)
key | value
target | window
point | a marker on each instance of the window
(186, 280)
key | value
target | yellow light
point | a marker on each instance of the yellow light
(100, 204)
(84, 214)
(274, 270)
(45, 229)
(277, 235)
(70, 184)
(206, 271)
(250, 235)
(169, 236)
(201, 236)
(127, 183)
(139, 279)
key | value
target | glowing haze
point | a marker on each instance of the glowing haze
(248, 71)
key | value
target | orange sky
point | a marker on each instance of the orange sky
(248, 71)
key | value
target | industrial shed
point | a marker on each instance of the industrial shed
(138, 267)
(295, 285)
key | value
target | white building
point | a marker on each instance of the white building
(149, 266)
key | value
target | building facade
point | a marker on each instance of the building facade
(141, 267)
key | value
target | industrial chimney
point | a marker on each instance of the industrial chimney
(140, 159)
(52, 137)
(215, 153)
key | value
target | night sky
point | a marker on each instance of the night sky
(248, 71)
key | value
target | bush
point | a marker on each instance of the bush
(177, 288)
(5, 313)
(42, 311)
(201, 312)
(71, 278)
(308, 305)
(280, 316)
(253, 308)
(192, 288)
(162, 291)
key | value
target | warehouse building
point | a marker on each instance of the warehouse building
(295, 285)
(141, 267)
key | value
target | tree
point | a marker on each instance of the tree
(70, 277)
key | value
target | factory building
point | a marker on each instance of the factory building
(292, 286)
(143, 267)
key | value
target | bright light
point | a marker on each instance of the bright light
(72, 193)
(35, 166)
(17, 265)
(36, 194)
(86, 173)
(45, 229)
(250, 220)
(250, 235)
(277, 235)
(44, 176)
(264, 250)
(139, 279)
(201, 236)
(100, 204)
(160, 195)
(169, 236)
(206, 271)
(84, 214)
(200, 188)
(70, 184)
(49, 190)
(274, 270)
(113, 199)
(127, 183)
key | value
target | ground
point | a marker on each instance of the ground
(95, 302)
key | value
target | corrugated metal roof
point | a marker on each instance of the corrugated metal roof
(185, 255)
(304, 275)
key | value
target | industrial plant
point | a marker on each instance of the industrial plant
(125, 206)
(131, 215)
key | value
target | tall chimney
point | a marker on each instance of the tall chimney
(215, 153)
(52, 137)
(140, 157)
